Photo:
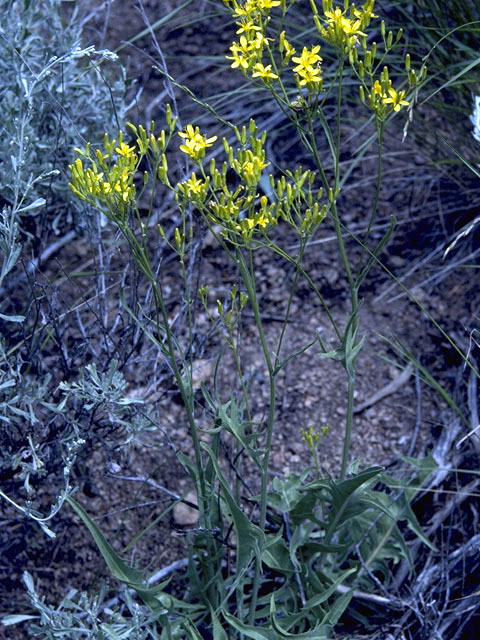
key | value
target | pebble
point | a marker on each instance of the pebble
(184, 515)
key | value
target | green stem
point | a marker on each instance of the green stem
(163, 326)
(349, 361)
(247, 274)
(373, 214)
(348, 425)
(314, 287)
(289, 303)
(187, 397)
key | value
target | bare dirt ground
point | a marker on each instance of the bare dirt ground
(404, 421)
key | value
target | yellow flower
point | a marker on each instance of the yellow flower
(194, 185)
(194, 189)
(245, 46)
(268, 4)
(246, 224)
(343, 32)
(366, 13)
(247, 10)
(250, 167)
(377, 89)
(396, 99)
(351, 28)
(241, 53)
(307, 73)
(195, 144)
(263, 72)
(334, 16)
(348, 26)
(239, 60)
(124, 150)
(308, 58)
(259, 221)
(262, 221)
(259, 41)
(247, 26)
(309, 76)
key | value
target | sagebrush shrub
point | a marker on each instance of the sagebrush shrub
(53, 91)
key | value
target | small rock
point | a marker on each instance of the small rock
(397, 261)
(202, 371)
(184, 515)
(331, 275)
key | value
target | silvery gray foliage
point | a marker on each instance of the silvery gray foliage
(95, 398)
(105, 396)
(81, 616)
(52, 93)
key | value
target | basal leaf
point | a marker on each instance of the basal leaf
(347, 487)
(269, 633)
(120, 570)
(329, 591)
(276, 556)
(338, 607)
(250, 538)
(151, 596)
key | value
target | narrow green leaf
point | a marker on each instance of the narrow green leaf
(314, 633)
(414, 525)
(276, 556)
(286, 492)
(269, 633)
(338, 607)
(347, 487)
(120, 570)
(322, 597)
(151, 596)
(192, 631)
(426, 375)
(454, 78)
(459, 155)
(111, 633)
(218, 631)
(152, 27)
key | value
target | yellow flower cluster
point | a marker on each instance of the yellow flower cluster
(194, 189)
(235, 209)
(308, 69)
(247, 52)
(249, 166)
(248, 8)
(241, 210)
(261, 217)
(392, 97)
(383, 98)
(344, 29)
(195, 144)
(108, 181)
